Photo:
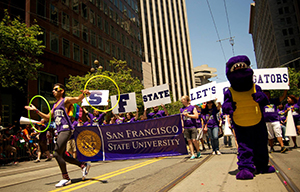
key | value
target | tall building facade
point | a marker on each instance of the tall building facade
(75, 34)
(166, 44)
(274, 25)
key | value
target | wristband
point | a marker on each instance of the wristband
(37, 111)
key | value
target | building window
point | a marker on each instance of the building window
(75, 6)
(284, 32)
(98, 4)
(53, 15)
(120, 6)
(123, 39)
(105, 8)
(76, 52)
(113, 50)
(65, 21)
(112, 31)
(66, 2)
(293, 42)
(92, 1)
(111, 13)
(286, 10)
(85, 56)
(94, 57)
(93, 38)
(117, 19)
(118, 53)
(286, 43)
(288, 20)
(42, 37)
(66, 48)
(106, 29)
(85, 33)
(41, 8)
(99, 22)
(75, 29)
(100, 42)
(280, 11)
(291, 31)
(84, 12)
(101, 61)
(116, 3)
(118, 36)
(92, 16)
(54, 42)
(107, 47)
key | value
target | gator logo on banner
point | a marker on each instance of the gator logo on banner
(88, 143)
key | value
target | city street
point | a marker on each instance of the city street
(177, 173)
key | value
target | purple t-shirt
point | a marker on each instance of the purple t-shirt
(62, 120)
(270, 111)
(187, 121)
(119, 121)
(295, 113)
(198, 121)
(211, 118)
(158, 114)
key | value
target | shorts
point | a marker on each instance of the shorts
(199, 133)
(274, 128)
(71, 147)
(190, 133)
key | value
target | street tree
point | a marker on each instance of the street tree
(19, 51)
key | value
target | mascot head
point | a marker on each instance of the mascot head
(239, 73)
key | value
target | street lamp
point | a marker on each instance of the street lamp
(96, 62)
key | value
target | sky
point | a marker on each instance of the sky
(203, 35)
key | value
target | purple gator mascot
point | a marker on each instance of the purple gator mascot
(243, 101)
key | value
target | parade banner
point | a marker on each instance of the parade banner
(141, 139)
(203, 93)
(97, 98)
(126, 104)
(272, 78)
(155, 96)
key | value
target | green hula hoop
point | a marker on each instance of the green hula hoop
(116, 87)
(49, 112)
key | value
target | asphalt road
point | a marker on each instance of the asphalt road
(209, 173)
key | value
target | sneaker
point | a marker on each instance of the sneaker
(85, 170)
(213, 153)
(283, 149)
(49, 159)
(63, 182)
(37, 161)
(192, 157)
(219, 153)
(198, 154)
(272, 150)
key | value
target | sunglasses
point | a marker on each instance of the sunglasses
(57, 89)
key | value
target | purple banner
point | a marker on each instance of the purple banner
(142, 139)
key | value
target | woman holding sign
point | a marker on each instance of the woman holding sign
(65, 129)
(188, 120)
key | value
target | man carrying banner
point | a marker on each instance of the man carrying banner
(156, 113)
(188, 120)
(64, 129)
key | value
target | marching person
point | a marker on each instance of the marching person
(188, 121)
(64, 128)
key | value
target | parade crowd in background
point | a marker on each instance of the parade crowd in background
(201, 125)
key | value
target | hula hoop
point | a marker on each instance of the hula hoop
(116, 87)
(49, 112)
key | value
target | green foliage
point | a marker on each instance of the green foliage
(121, 74)
(19, 50)
(294, 79)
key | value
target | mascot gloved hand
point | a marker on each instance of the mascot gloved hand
(244, 101)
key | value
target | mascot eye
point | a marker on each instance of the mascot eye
(237, 66)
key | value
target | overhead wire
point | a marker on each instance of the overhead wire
(211, 14)
(231, 39)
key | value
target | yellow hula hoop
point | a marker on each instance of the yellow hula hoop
(49, 112)
(116, 87)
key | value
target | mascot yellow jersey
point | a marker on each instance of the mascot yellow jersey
(247, 111)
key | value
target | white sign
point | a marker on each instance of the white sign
(221, 88)
(203, 93)
(126, 104)
(272, 78)
(156, 96)
(97, 98)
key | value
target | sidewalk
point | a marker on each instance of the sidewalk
(219, 174)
